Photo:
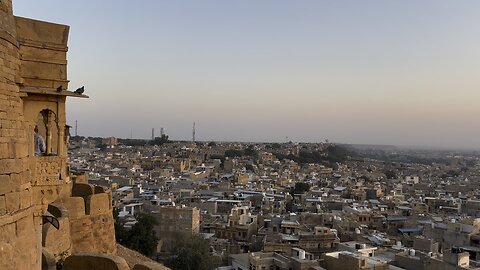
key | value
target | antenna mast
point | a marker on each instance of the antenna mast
(193, 132)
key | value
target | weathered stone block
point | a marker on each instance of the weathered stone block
(10, 166)
(37, 194)
(24, 226)
(17, 150)
(41, 54)
(25, 177)
(75, 207)
(57, 240)
(42, 32)
(4, 153)
(7, 231)
(12, 201)
(24, 250)
(49, 71)
(82, 190)
(25, 199)
(3, 206)
(15, 177)
(7, 185)
(6, 255)
(93, 234)
(97, 204)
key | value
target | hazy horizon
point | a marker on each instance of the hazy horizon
(399, 73)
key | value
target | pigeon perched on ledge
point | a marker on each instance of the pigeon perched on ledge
(60, 88)
(80, 90)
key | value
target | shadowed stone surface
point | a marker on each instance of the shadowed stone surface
(93, 261)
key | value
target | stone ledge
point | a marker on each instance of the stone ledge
(11, 218)
(8, 37)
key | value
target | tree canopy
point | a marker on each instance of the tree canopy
(300, 188)
(159, 140)
(192, 252)
(331, 155)
(390, 174)
(141, 237)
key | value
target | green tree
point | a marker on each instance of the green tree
(160, 140)
(192, 252)
(141, 237)
(450, 173)
(390, 174)
(222, 158)
(249, 167)
(250, 151)
(233, 153)
(331, 155)
(300, 188)
(275, 145)
(120, 232)
(337, 153)
(364, 177)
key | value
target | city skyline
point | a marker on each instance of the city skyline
(372, 72)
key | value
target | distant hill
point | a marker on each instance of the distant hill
(364, 147)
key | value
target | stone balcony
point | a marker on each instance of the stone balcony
(49, 170)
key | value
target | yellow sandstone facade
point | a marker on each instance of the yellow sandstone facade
(47, 215)
(20, 245)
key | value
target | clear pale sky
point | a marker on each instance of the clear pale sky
(374, 72)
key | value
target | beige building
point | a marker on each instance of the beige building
(321, 240)
(298, 260)
(454, 259)
(266, 157)
(241, 225)
(455, 234)
(173, 220)
(110, 141)
(352, 261)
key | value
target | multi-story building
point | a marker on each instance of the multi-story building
(240, 227)
(174, 220)
(297, 259)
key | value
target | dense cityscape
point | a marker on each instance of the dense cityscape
(291, 205)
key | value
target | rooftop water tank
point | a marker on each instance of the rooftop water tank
(301, 254)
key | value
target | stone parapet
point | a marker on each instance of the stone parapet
(91, 220)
